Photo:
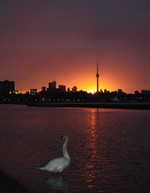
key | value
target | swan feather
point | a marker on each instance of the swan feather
(56, 165)
(59, 164)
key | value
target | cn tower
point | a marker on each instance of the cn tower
(97, 78)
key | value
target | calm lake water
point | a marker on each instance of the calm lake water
(109, 148)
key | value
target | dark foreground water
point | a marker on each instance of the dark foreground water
(109, 149)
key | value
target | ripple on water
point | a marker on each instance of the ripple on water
(109, 149)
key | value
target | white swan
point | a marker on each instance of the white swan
(59, 164)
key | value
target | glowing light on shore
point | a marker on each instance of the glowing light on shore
(91, 91)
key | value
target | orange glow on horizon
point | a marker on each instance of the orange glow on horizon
(91, 91)
(84, 79)
(89, 86)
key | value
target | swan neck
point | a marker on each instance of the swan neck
(64, 149)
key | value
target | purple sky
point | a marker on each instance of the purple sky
(61, 40)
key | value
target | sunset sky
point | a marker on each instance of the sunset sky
(61, 40)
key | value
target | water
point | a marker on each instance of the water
(109, 148)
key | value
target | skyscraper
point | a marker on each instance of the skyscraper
(6, 87)
(97, 78)
(52, 85)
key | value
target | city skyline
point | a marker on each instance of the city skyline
(8, 87)
(42, 41)
(53, 84)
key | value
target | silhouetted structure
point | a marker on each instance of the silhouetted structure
(33, 91)
(53, 96)
(97, 78)
(62, 88)
(52, 86)
(74, 89)
(43, 88)
(7, 87)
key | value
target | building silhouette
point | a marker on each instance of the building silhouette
(43, 89)
(97, 79)
(7, 87)
(74, 89)
(62, 88)
(52, 85)
(33, 91)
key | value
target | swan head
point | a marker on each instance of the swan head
(65, 137)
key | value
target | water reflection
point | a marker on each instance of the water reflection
(58, 182)
(109, 149)
(92, 162)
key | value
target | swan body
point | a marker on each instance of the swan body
(59, 164)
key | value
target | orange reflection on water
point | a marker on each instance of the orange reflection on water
(91, 165)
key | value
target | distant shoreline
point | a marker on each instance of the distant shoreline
(116, 105)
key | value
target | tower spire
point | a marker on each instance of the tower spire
(97, 78)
